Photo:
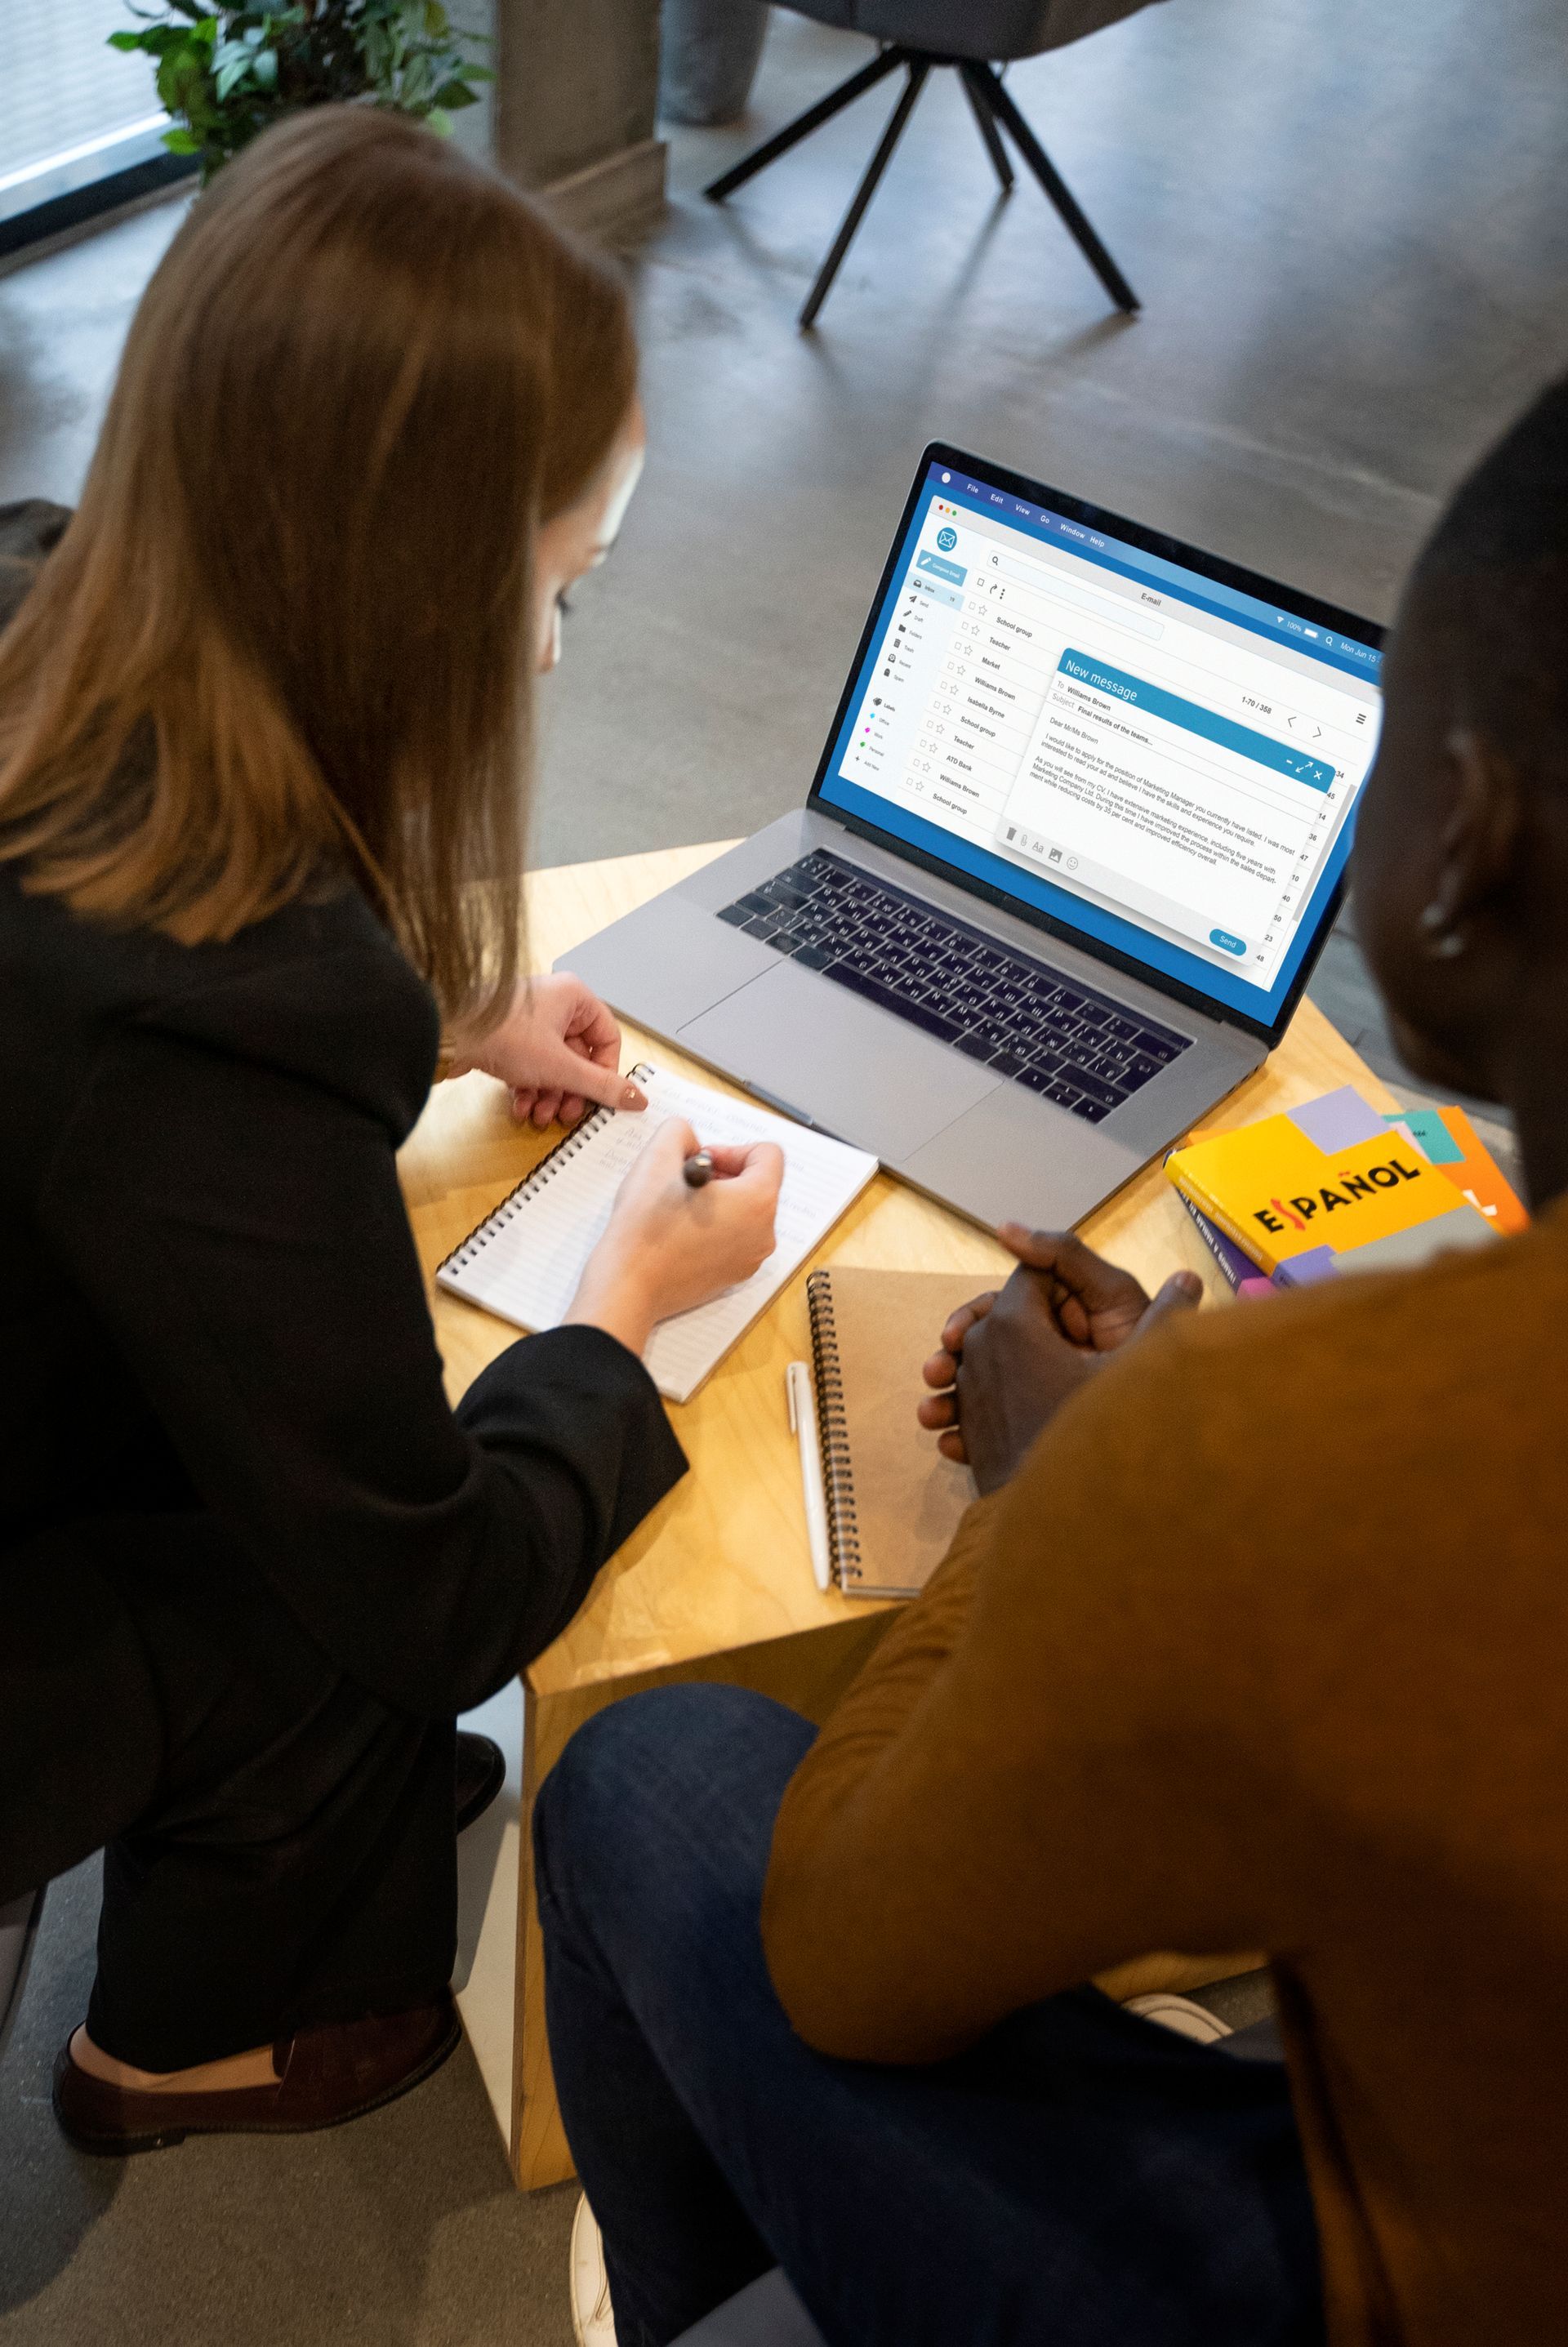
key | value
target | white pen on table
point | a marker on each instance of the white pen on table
(803, 1425)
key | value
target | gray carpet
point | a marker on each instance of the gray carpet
(1348, 227)
(402, 2230)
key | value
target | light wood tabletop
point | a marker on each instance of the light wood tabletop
(717, 1583)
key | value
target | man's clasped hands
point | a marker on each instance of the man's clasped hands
(1010, 1359)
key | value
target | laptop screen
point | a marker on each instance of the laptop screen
(1158, 760)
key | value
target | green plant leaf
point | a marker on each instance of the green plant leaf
(160, 40)
(225, 68)
(172, 83)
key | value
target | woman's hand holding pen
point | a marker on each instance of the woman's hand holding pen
(671, 1245)
(674, 1238)
(557, 1047)
(1008, 1361)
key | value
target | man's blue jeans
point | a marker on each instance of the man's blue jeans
(1081, 2178)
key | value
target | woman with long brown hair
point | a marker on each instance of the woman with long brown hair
(264, 710)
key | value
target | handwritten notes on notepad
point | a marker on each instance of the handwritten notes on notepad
(525, 1261)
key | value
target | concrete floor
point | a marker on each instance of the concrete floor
(1347, 228)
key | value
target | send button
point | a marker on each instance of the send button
(1223, 940)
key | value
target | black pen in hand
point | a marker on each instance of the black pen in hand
(698, 1169)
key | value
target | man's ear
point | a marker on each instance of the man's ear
(1479, 851)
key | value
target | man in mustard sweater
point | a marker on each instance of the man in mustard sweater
(1257, 1638)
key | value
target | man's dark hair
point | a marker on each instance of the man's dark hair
(1493, 580)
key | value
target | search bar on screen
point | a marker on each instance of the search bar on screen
(1042, 580)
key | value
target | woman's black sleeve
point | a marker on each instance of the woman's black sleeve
(226, 1199)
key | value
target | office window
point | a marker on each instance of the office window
(80, 125)
(74, 113)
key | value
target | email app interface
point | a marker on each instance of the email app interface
(1161, 750)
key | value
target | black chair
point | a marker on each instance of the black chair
(766, 2313)
(973, 37)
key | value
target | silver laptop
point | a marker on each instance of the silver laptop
(1075, 843)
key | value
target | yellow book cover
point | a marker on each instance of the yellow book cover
(1280, 1196)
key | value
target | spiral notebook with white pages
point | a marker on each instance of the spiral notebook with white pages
(524, 1261)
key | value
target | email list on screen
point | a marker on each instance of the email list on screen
(1161, 760)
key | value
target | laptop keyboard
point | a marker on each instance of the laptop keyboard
(1028, 1022)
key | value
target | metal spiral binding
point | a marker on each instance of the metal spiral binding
(570, 1145)
(832, 1428)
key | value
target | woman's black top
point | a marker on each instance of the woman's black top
(210, 1299)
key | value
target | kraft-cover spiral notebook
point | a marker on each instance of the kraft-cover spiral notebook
(525, 1260)
(893, 1501)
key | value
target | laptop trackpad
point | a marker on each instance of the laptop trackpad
(858, 1072)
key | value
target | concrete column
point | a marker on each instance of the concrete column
(574, 100)
(474, 126)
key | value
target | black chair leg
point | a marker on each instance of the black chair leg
(986, 88)
(988, 132)
(918, 67)
(803, 125)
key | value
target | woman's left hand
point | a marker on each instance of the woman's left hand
(558, 1048)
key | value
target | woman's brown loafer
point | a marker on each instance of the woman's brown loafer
(327, 2075)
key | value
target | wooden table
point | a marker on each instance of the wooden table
(717, 1584)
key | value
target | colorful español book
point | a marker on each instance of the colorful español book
(1448, 1138)
(1336, 1185)
(1241, 1275)
(1240, 1272)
